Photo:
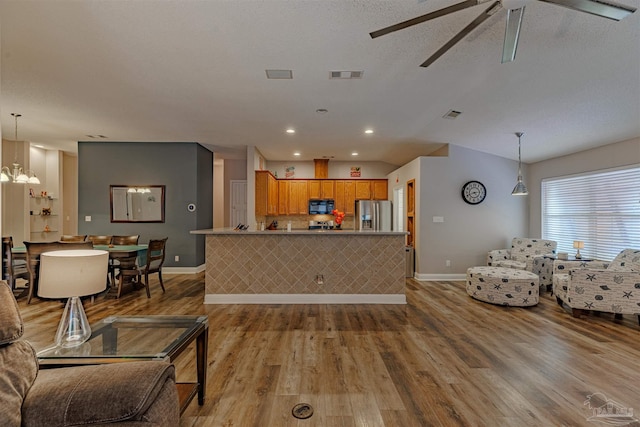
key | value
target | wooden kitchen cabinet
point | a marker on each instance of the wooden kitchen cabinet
(298, 197)
(321, 189)
(314, 188)
(363, 189)
(380, 189)
(345, 196)
(291, 196)
(283, 197)
(266, 194)
(327, 187)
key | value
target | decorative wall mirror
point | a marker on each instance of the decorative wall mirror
(140, 203)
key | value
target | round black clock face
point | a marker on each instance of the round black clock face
(474, 192)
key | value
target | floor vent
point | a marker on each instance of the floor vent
(302, 411)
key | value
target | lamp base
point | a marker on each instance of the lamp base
(578, 256)
(74, 327)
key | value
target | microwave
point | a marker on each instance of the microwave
(321, 206)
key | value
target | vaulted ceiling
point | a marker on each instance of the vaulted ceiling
(190, 71)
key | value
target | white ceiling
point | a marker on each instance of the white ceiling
(195, 71)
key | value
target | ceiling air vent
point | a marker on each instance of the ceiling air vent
(279, 74)
(346, 74)
(452, 114)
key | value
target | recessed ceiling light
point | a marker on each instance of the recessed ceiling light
(322, 111)
(291, 130)
(354, 154)
(296, 153)
(368, 131)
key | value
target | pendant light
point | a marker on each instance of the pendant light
(16, 173)
(520, 189)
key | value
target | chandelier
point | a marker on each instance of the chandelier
(15, 173)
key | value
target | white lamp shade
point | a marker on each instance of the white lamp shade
(71, 273)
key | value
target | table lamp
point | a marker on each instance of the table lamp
(577, 244)
(72, 274)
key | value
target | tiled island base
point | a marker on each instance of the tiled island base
(274, 267)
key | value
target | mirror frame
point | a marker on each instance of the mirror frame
(162, 191)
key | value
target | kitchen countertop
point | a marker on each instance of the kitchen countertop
(231, 231)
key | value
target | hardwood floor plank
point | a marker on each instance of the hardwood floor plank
(443, 359)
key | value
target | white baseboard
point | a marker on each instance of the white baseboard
(305, 299)
(440, 277)
(183, 270)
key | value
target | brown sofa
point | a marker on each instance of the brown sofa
(124, 394)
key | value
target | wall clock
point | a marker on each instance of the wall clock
(473, 192)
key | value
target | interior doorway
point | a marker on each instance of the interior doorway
(238, 202)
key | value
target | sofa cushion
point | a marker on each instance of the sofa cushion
(18, 363)
(78, 396)
(627, 260)
(19, 370)
(10, 320)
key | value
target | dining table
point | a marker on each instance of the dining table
(125, 256)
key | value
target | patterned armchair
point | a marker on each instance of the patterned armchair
(612, 288)
(522, 253)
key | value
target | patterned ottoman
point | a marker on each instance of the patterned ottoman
(503, 286)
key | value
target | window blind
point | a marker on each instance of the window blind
(600, 208)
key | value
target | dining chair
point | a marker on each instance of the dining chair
(99, 240)
(114, 263)
(156, 251)
(35, 249)
(72, 238)
(12, 269)
(125, 240)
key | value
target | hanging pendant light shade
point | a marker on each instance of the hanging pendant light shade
(15, 173)
(520, 189)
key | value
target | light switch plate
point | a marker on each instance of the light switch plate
(438, 219)
(87, 218)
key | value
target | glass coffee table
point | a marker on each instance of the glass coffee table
(118, 339)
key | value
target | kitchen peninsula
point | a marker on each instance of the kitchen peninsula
(304, 267)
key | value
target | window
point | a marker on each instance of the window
(600, 208)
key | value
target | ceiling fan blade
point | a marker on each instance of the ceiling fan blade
(420, 19)
(602, 8)
(512, 34)
(495, 6)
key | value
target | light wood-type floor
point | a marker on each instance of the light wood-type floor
(443, 359)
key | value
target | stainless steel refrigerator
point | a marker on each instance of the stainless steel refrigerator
(373, 215)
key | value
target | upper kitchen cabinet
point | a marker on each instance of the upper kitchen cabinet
(345, 196)
(321, 188)
(298, 198)
(283, 197)
(266, 194)
(363, 190)
(380, 189)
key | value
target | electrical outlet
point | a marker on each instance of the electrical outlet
(177, 258)
(447, 263)
(320, 279)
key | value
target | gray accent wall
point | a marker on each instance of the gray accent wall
(186, 169)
